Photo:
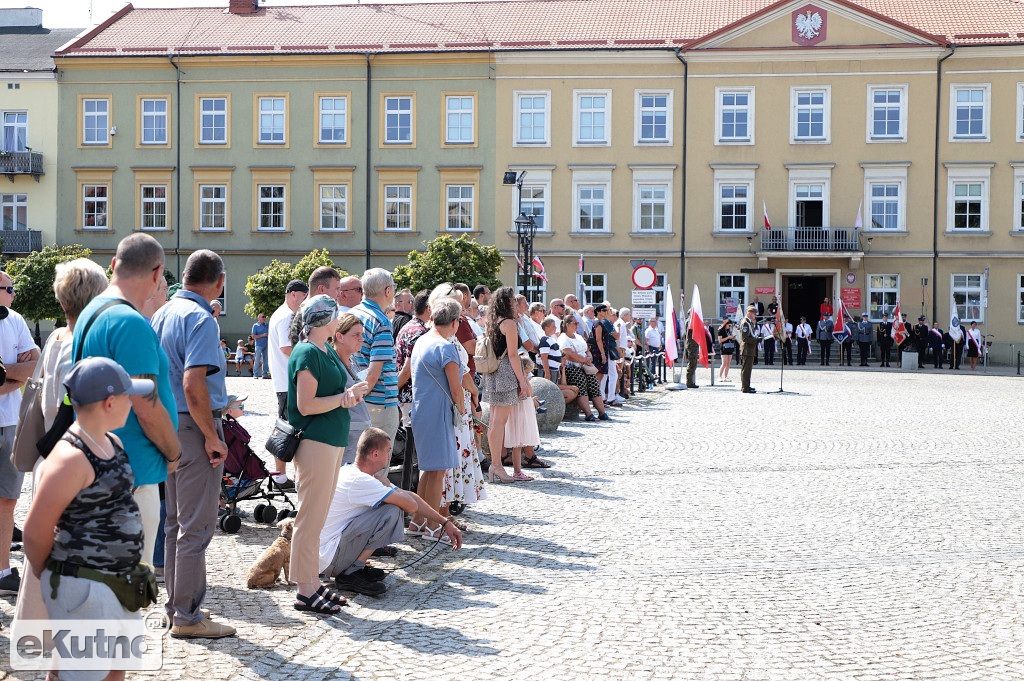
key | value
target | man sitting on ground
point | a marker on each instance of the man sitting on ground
(366, 514)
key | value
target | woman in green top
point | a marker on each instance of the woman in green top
(318, 404)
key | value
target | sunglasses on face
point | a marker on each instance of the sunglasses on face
(9, 289)
(358, 288)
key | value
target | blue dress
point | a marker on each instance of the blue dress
(432, 423)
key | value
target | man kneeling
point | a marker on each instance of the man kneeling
(366, 514)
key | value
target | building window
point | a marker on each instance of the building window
(883, 293)
(969, 115)
(886, 113)
(592, 208)
(14, 211)
(223, 300)
(735, 115)
(654, 123)
(536, 291)
(398, 120)
(1020, 298)
(592, 117)
(532, 117)
(398, 207)
(967, 197)
(967, 205)
(459, 207)
(271, 208)
(213, 207)
(885, 194)
(272, 111)
(732, 295)
(154, 207)
(334, 207)
(534, 202)
(96, 121)
(333, 120)
(885, 205)
(1018, 222)
(154, 121)
(458, 119)
(734, 206)
(967, 293)
(652, 204)
(213, 113)
(594, 287)
(94, 206)
(15, 132)
(810, 115)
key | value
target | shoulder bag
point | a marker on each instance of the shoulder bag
(31, 425)
(284, 439)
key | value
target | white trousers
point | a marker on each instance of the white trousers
(608, 382)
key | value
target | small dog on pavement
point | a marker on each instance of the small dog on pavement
(266, 571)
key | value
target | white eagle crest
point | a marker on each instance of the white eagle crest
(808, 25)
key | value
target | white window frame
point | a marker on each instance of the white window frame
(266, 133)
(333, 113)
(962, 310)
(269, 201)
(105, 200)
(104, 129)
(15, 126)
(640, 201)
(217, 116)
(535, 177)
(544, 225)
(1020, 298)
(323, 201)
(720, 138)
(794, 93)
(517, 140)
(986, 114)
(155, 117)
(466, 203)
(223, 300)
(657, 177)
(960, 175)
(14, 203)
(581, 277)
(400, 113)
(821, 176)
(901, 135)
(882, 289)
(734, 176)
(886, 174)
(1020, 112)
(577, 113)
(538, 291)
(398, 201)
(591, 178)
(213, 201)
(155, 201)
(1018, 200)
(460, 115)
(732, 288)
(638, 138)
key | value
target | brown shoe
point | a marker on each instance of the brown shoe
(204, 629)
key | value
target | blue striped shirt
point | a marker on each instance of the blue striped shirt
(378, 346)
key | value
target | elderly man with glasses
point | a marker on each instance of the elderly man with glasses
(349, 294)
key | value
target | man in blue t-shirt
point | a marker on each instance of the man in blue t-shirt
(121, 333)
(260, 330)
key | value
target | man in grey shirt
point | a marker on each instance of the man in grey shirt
(189, 335)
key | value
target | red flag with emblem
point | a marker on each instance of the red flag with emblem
(899, 330)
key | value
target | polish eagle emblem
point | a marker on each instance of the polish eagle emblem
(808, 25)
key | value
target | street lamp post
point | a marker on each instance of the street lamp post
(526, 229)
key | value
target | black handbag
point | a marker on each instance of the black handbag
(284, 440)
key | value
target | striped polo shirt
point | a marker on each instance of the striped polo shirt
(378, 346)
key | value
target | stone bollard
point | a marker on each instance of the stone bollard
(544, 389)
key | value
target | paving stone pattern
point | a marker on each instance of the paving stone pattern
(868, 527)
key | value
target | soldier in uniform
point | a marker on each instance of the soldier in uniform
(692, 351)
(748, 347)
(864, 339)
(921, 340)
(885, 339)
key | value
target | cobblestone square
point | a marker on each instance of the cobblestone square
(866, 527)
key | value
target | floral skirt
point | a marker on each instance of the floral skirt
(465, 483)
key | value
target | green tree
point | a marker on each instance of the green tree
(33, 277)
(447, 259)
(266, 287)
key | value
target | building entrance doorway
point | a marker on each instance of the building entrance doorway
(802, 297)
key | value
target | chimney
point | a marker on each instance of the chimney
(242, 6)
(29, 17)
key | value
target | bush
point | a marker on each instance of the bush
(33, 275)
(447, 259)
(266, 287)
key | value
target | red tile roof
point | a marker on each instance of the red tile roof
(532, 24)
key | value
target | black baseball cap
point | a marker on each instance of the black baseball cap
(296, 285)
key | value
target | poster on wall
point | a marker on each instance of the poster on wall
(851, 298)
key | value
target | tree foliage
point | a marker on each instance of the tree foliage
(446, 259)
(266, 287)
(33, 277)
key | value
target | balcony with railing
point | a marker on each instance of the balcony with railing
(21, 241)
(21, 163)
(804, 240)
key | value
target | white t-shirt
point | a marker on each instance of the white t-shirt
(624, 334)
(277, 338)
(355, 493)
(15, 339)
(577, 345)
(653, 337)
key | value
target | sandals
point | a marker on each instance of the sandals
(437, 535)
(322, 602)
(415, 530)
(534, 462)
(522, 477)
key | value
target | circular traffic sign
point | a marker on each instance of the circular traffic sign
(644, 277)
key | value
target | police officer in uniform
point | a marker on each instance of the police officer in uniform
(748, 347)
(885, 339)
(864, 339)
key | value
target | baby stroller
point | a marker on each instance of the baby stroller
(246, 477)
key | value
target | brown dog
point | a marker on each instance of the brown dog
(265, 572)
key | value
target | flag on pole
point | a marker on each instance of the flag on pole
(581, 262)
(899, 329)
(671, 323)
(859, 222)
(780, 326)
(520, 263)
(538, 269)
(767, 225)
(697, 328)
(955, 332)
(840, 331)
